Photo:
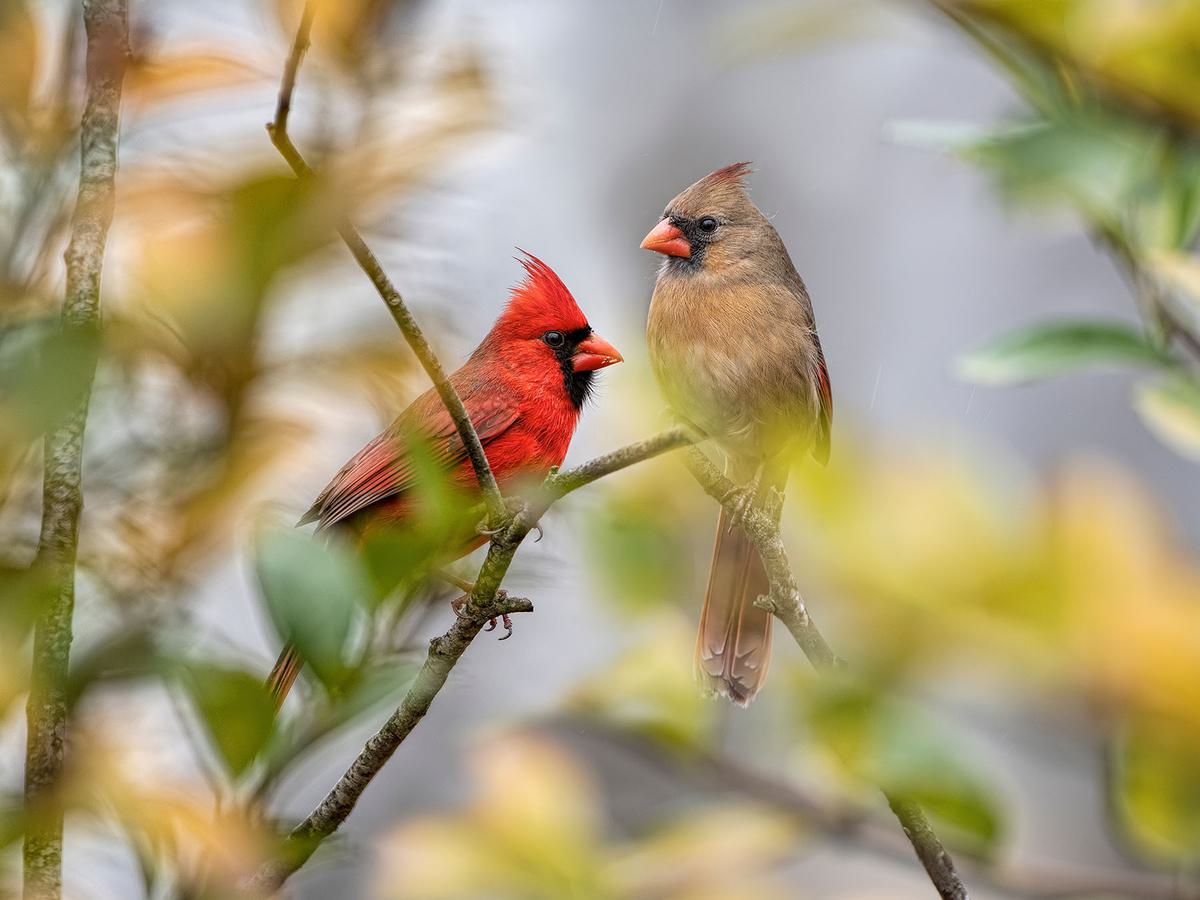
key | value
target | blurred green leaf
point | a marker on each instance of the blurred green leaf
(1046, 350)
(398, 560)
(639, 554)
(367, 690)
(311, 589)
(1095, 162)
(43, 370)
(882, 743)
(1156, 787)
(1171, 410)
(930, 134)
(237, 711)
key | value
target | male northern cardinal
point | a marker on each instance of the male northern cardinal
(734, 344)
(523, 387)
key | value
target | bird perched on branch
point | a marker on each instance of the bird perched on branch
(734, 345)
(523, 387)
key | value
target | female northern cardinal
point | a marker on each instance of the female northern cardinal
(734, 345)
(523, 387)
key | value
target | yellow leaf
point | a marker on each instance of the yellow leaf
(162, 79)
(19, 54)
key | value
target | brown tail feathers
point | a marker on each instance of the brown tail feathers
(284, 674)
(733, 647)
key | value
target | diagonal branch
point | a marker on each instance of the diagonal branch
(785, 602)
(487, 602)
(369, 263)
(444, 653)
(62, 493)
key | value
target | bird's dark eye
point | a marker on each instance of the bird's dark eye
(554, 339)
(707, 225)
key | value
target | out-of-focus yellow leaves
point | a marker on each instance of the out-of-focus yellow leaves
(173, 76)
(1133, 630)
(1181, 270)
(344, 31)
(1156, 786)
(713, 853)
(923, 540)
(1078, 586)
(1144, 53)
(1171, 409)
(20, 52)
(171, 820)
(650, 687)
(533, 829)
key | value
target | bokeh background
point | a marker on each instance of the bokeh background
(1007, 567)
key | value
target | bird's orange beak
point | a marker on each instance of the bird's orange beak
(594, 352)
(667, 239)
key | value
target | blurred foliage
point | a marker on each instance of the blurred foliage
(534, 828)
(202, 407)
(1109, 129)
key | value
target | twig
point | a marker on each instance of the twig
(562, 483)
(444, 652)
(784, 601)
(369, 263)
(62, 497)
(487, 601)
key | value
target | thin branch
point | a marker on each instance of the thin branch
(444, 652)
(62, 493)
(562, 483)
(487, 601)
(785, 602)
(369, 263)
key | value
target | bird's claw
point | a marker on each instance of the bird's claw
(508, 626)
(457, 604)
(740, 501)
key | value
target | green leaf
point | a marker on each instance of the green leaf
(44, 370)
(311, 590)
(1156, 787)
(371, 688)
(883, 743)
(1171, 410)
(236, 709)
(1055, 348)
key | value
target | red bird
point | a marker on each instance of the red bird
(734, 344)
(523, 387)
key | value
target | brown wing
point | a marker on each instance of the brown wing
(383, 467)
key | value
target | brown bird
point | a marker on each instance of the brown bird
(734, 344)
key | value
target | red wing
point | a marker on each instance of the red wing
(824, 435)
(382, 468)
